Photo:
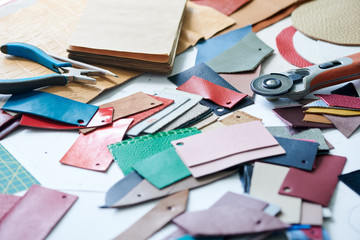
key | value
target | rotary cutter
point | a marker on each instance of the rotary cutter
(297, 83)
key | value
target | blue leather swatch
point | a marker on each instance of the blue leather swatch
(121, 188)
(212, 47)
(352, 180)
(347, 90)
(51, 106)
(245, 174)
(299, 154)
(201, 70)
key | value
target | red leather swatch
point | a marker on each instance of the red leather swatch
(316, 186)
(102, 117)
(284, 42)
(227, 7)
(7, 202)
(138, 117)
(218, 94)
(340, 100)
(90, 151)
(36, 214)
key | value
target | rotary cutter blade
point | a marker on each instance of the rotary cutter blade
(296, 84)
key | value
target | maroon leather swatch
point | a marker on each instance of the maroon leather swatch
(227, 7)
(293, 116)
(102, 117)
(7, 202)
(340, 100)
(218, 94)
(284, 42)
(316, 186)
(90, 151)
(4, 117)
(36, 214)
(9, 127)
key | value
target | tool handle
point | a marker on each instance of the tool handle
(13, 86)
(33, 53)
(336, 72)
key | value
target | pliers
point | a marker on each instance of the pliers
(65, 72)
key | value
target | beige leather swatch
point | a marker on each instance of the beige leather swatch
(207, 121)
(311, 214)
(335, 21)
(256, 11)
(52, 23)
(238, 117)
(201, 22)
(265, 184)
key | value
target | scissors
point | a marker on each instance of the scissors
(65, 72)
(296, 84)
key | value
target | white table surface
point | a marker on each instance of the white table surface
(39, 151)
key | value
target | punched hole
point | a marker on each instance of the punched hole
(287, 189)
(98, 164)
(180, 143)
(152, 103)
(238, 116)
(260, 49)
(258, 221)
(64, 196)
(169, 208)
(103, 120)
(139, 195)
(80, 121)
(303, 161)
(220, 109)
(229, 102)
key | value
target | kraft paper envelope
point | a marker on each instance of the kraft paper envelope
(265, 183)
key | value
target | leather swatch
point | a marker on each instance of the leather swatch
(138, 117)
(347, 90)
(129, 105)
(316, 118)
(284, 42)
(214, 46)
(316, 186)
(210, 91)
(299, 154)
(90, 151)
(312, 134)
(250, 48)
(267, 190)
(240, 200)
(51, 106)
(228, 221)
(193, 99)
(238, 117)
(157, 217)
(37, 212)
(294, 115)
(352, 180)
(205, 122)
(225, 147)
(13, 176)
(148, 122)
(4, 117)
(333, 111)
(145, 191)
(122, 188)
(322, 104)
(102, 117)
(311, 214)
(9, 125)
(201, 70)
(340, 100)
(226, 7)
(329, 20)
(190, 117)
(7, 202)
(241, 81)
(162, 169)
(245, 174)
(130, 151)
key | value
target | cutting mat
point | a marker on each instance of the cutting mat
(13, 176)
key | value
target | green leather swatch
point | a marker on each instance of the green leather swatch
(163, 168)
(245, 55)
(131, 151)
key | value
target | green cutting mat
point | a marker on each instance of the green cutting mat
(13, 176)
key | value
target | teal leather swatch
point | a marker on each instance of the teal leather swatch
(163, 168)
(131, 151)
(245, 55)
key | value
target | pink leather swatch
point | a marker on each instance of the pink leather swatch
(227, 7)
(227, 221)
(221, 148)
(346, 125)
(36, 214)
(218, 94)
(90, 151)
(7, 202)
(284, 42)
(240, 200)
(102, 117)
(316, 186)
(337, 100)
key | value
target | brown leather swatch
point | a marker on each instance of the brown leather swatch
(238, 117)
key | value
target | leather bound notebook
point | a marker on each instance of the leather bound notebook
(141, 35)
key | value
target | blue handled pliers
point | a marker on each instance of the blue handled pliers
(65, 72)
